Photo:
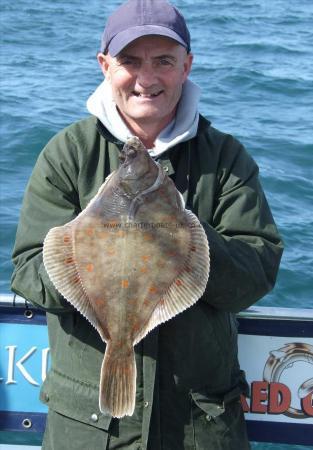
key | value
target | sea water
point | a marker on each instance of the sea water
(253, 60)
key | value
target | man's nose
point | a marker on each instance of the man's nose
(146, 75)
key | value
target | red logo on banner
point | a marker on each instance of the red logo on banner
(275, 398)
(270, 396)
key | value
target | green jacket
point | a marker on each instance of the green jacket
(191, 359)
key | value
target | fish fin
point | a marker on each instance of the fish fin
(108, 177)
(180, 201)
(101, 188)
(191, 282)
(118, 382)
(59, 262)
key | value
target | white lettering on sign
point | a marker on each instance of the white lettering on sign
(12, 364)
(44, 365)
(11, 349)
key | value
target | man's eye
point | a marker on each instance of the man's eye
(128, 62)
(164, 62)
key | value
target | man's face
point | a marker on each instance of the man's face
(147, 78)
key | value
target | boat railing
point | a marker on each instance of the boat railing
(275, 347)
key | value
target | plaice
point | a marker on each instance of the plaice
(131, 260)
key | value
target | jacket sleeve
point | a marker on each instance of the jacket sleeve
(50, 200)
(245, 246)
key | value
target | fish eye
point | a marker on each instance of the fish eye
(122, 155)
(132, 152)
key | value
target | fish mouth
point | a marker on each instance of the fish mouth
(127, 164)
(130, 150)
(129, 156)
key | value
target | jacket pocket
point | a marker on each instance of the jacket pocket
(217, 425)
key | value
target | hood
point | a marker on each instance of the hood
(182, 128)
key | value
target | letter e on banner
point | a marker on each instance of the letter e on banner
(258, 395)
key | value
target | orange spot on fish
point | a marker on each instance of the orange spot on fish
(76, 279)
(146, 258)
(89, 231)
(168, 219)
(69, 260)
(193, 248)
(143, 270)
(100, 301)
(125, 284)
(178, 282)
(153, 290)
(146, 302)
(102, 234)
(90, 267)
(136, 327)
(66, 239)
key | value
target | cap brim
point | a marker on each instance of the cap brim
(124, 38)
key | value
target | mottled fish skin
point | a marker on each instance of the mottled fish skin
(131, 260)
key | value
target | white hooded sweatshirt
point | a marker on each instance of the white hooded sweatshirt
(182, 128)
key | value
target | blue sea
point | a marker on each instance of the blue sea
(254, 63)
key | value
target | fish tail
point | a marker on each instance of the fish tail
(118, 383)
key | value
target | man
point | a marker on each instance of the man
(188, 376)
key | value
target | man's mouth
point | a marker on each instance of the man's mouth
(150, 95)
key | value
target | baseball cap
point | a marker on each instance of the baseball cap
(137, 18)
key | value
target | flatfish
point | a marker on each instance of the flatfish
(131, 260)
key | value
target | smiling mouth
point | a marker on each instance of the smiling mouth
(153, 95)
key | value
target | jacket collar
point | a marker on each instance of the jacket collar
(203, 126)
(182, 128)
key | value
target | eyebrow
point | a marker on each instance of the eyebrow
(165, 56)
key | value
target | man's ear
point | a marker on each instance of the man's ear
(103, 63)
(187, 65)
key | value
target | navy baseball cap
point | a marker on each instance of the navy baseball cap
(137, 18)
